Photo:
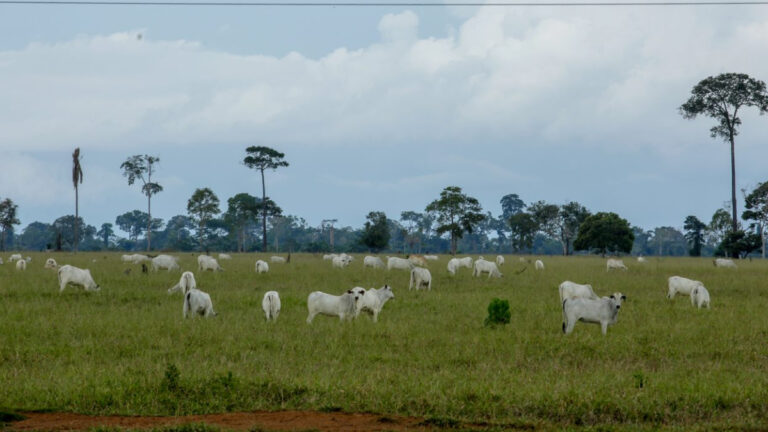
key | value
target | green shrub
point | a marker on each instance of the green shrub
(498, 312)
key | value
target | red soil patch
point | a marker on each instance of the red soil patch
(278, 421)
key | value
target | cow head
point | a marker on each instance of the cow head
(617, 298)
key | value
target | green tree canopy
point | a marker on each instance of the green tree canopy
(604, 232)
(756, 204)
(456, 213)
(694, 234)
(8, 219)
(139, 167)
(523, 230)
(511, 204)
(570, 218)
(375, 234)
(263, 158)
(106, 233)
(202, 207)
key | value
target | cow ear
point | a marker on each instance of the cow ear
(350, 292)
(613, 297)
(623, 297)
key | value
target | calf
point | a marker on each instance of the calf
(271, 305)
(680, 285)
(50, 263)
(262, 266)
(417, 260)
(604, 311)
(723, 262)
(483, 266)
(165, 262)
(372, 261)
(223, 256)
(340, 261)
(277, 259)
(420, 277)
(21, 265)
(570, 289)
(345, 306)
(374, 299)
(700, 297)
(68, 274)
(205, 262)
(613, 263)
(398, 263)
(499, 260)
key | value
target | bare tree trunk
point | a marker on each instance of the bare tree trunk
(77, 214)
(735, 219)
(149, 221)
(264, 220)
(762, 238)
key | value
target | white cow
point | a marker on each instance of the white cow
(340, 261)
(431, 257)
(68, 274)
(614, 263)
(417, 260)
(681, 285)
(262, 266)
(570, 289)
(372, 261)
(186, 283)
(420, 277)
(205, 262)
(277, 259)
(398, 263)
(700, 297)
(223, 256)
(14, 257)
(28, 259)
(135, 258)
(21, 265)
(328, 257)
(539, 265)
(50, 263)
(271, 305)
(374, 299)
(724, 262)
(641, 259)
(603, 311)
(1, 261)
(499, 260)
(345, 306)
(457, 263)
(165, 262)
(349, 258)
(483, 266)
(197, 302)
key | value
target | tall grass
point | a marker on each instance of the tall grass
(127, 350)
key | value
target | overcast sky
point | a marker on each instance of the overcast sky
(375, 108)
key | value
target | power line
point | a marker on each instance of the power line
(375, 4)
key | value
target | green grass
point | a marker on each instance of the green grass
(127, 350)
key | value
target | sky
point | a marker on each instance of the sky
(375, 108)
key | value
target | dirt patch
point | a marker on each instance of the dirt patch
(277, 421)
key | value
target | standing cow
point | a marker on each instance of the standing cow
(271, 305)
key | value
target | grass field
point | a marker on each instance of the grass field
(127, 350)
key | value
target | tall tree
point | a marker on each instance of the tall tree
(105, 233)
(756, 204)
(694, 234)
(721, 98)
(140, 167)
(719, 226)
(375, 234)
(456, 214)
(202, 207)
(262, 158)
(8, 219)
(77, 179)
(64, 229)
(605, 232)
(522, 230)
(547, 217)
(511, 204)
(570, 217)
(242, 210)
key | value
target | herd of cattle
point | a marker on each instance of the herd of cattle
(579, 302)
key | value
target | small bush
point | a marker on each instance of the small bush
(171, 379)
(498, 312)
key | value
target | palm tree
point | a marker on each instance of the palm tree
(77, 178)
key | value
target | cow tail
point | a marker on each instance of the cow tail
(188, 301)
(564, 317)
(271, 307)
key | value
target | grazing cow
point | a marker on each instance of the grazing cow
(483, 266)
(50, 263)
(374, 299)
(223, 256)
(135, 258)
(456, 263)
(431, 257)
(340, 261)
(14, 257)
(28, 259)
(724, 262)
(499, 260)
(165, 262)
(420, 277)
(398, 263)
(539, 265)
(417, 260)
(603, 311)
(277, 259)
(570, 289)
(345, 306)
(700, 297)
(197, 302)
(1, 261)
(681, 285)
(372, 261)
(68, 274)
(271, 305)
(328, 257)
(186, 283)
(21, 265)
(522, 259)
(641, 259)
(262, 266)
(205, 262)
(614, 263)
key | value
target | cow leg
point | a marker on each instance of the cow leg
(604, 326)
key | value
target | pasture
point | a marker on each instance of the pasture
(127, 350)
